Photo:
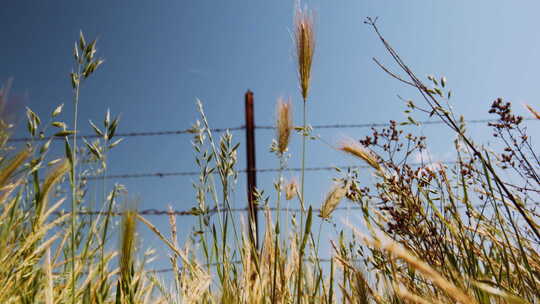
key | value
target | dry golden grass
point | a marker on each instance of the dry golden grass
(291, 189)
(354, 148)
(284, 124)
(333, 198)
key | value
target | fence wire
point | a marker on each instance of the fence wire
(239, 128)
(263, 170)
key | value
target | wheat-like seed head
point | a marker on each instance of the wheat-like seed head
(304, 38)
(284, 124)
(290, 189)
(352, 147)
(332, 200)
(127, 244)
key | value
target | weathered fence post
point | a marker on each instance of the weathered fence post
(251, 169)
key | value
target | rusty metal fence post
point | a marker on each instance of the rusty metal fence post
(251, 169)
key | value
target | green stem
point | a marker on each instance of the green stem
(109, 210)
(301, 255)
(303, 151)
(277, 229)
(74, 188)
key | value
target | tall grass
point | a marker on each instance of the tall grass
(465, 232)
(304, 38)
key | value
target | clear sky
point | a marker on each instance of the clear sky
(162, 55)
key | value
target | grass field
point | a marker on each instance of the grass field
(459, 232)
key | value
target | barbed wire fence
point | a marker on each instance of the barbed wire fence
(158, 212)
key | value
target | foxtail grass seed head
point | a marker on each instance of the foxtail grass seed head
(127, 245)
(533, 111)
(332, 200)
(290, 189)
(284, 124)
(304, 38)
(352, 147)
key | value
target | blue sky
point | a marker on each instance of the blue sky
(160, 56)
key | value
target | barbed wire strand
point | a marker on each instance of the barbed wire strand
(131, 134)
(263, 170)
(385, 124)
(163, 270)
(261, 127)
(236, 262)
(158, 212)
